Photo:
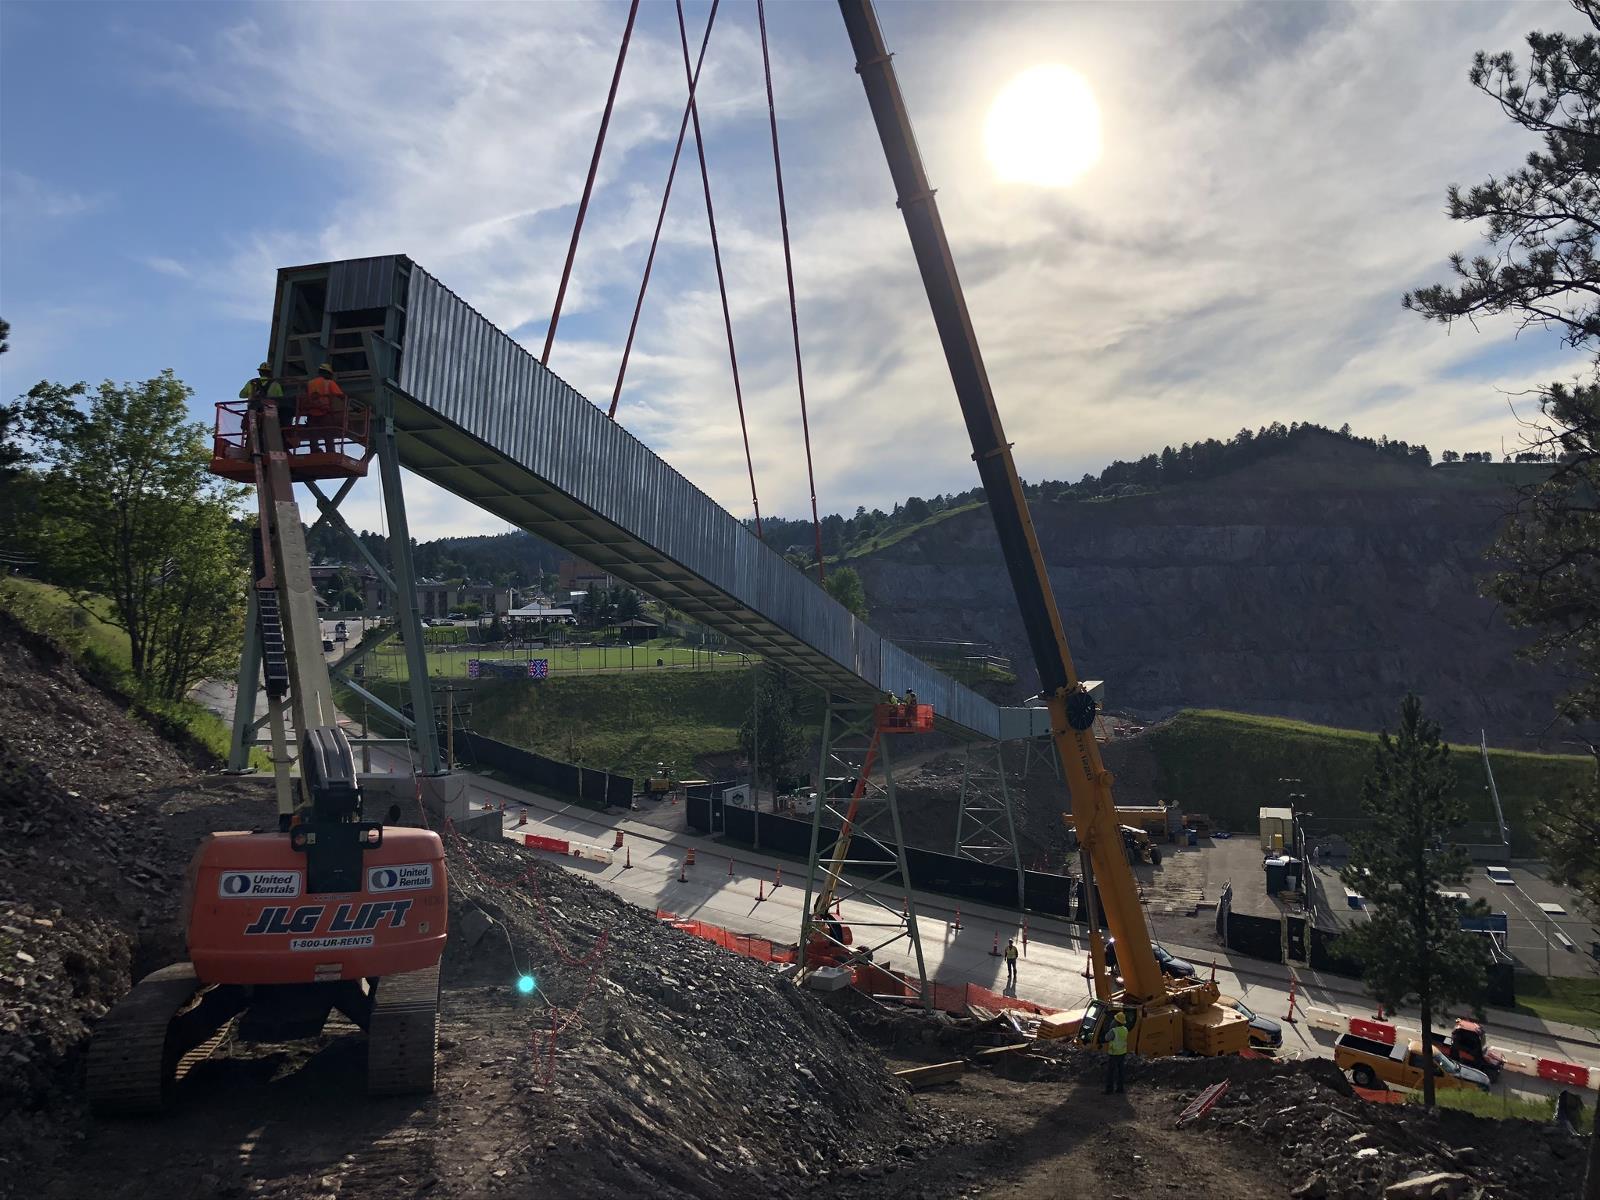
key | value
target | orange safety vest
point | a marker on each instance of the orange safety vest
(320, 395)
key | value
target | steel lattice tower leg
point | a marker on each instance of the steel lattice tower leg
(985, 829)
(869, 870)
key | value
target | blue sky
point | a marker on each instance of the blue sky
(1272, 181)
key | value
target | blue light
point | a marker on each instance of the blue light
(525, 985)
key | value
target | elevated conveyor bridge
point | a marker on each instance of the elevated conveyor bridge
(479, 416)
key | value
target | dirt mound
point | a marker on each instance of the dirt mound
(91, 865)
(678, 1067)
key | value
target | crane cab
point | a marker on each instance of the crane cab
(330, 447)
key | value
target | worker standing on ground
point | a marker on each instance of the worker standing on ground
(1011, 963)
(324, 397)
(1116, 1053)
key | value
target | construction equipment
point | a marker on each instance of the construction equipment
(1139, 848)
(1468, 1045)
(1166, 1016)
(326, 910)
(825, 941)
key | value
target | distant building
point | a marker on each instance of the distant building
(574, 575)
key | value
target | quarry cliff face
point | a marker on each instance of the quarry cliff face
(1319, 585)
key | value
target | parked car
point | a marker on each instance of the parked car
(1171, 964)
(1264, 1031)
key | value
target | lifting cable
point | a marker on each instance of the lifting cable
(716, 256)
(588, 187)
(788, 268)
(661, 216)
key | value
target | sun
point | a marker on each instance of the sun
(1043, 128)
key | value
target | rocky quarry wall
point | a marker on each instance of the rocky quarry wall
(1319, 585)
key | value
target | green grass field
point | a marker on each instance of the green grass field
(1228, 765)
(1574, 1000)
(102, 649)
(1502, 1106)
(451, 662)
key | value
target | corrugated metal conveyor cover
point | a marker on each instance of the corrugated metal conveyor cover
(455, 363)
(359, 283)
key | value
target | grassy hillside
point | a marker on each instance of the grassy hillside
(102, 649)
(624, 723)
(1228, 766)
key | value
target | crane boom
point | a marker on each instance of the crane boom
(1071, 707)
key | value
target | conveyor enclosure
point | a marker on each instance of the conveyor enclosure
(482, 418)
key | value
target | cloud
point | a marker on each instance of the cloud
(1272, 181)
(162, 265)
(29, 202)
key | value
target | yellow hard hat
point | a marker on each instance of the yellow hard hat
(328, 367)
(1120, 1019)
(267, 367)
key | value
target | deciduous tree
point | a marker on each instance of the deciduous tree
(129, 512)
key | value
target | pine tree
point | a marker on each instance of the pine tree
(1412, 945)
(771, 735)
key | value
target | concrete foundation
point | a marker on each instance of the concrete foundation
(444, 796)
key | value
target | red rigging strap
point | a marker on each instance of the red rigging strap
(672, 171)
(588, 187)
(788, 268)
(716, 256)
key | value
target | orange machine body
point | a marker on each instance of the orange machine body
(251, 920)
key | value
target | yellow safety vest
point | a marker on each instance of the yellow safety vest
(1118, 1041)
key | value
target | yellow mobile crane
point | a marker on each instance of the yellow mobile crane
(1165, 1016)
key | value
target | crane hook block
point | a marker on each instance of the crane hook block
(1080, 710)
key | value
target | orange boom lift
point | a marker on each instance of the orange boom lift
(325, 910)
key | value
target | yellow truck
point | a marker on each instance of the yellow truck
(1372, 1063)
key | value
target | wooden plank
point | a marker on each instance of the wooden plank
(998, 1051)
(932, 1075)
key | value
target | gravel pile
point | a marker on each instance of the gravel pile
(679, 1069)
(90, 874)
(1337, 1147)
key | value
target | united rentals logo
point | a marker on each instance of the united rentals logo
(408, 877)
(253, 885)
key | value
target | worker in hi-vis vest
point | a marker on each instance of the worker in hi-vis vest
(1011, 963)
(1116, 1052)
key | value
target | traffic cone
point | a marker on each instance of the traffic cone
(778, 881)
(956, 924)
(616, 843)
(761, 890)
(689, 857)
(730, 868)
(682, 878)
(995, 949)
(1024, 939)
(1289, 1016)
(522, 819)
(629, 861)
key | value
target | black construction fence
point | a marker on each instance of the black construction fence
(586, 785)
(962, 878)
(1263, 937)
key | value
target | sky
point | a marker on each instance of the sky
(1271, 180)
